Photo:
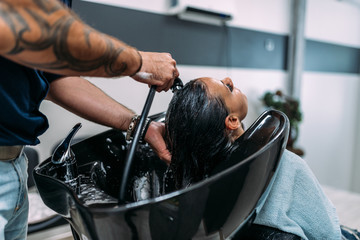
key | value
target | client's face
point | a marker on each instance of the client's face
(234, 99)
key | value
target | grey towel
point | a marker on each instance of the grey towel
(296, 203)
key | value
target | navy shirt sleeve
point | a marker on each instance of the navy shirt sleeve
(49, 76)
(67, 2)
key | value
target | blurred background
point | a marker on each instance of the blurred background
(307, 49)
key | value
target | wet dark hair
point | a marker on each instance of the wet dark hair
(195, 133)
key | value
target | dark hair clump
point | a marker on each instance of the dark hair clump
(195, 133)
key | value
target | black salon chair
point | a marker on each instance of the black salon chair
(33, 160)
(45, 219)
(221, 206)
(40, 218)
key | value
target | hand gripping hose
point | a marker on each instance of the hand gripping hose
(131, 152)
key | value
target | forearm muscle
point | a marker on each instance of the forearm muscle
(46, 35)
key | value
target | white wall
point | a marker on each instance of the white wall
(329, 133)
(333, 21)
(329, 101)
(155, 6)
(356, 163)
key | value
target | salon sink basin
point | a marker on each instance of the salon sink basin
(219, 207)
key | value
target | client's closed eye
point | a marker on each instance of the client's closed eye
(228, 84)
(230, 87)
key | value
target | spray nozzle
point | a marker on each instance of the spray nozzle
(178, 85)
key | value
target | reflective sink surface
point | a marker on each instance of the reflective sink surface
(218, 207)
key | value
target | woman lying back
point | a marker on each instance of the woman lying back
(202, 125)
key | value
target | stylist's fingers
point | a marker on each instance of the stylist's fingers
(169, 85)
(171, 82)
(157, 69)
(176, 73)
(165, 156)
(154, 136)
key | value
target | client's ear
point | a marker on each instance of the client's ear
(232, 122)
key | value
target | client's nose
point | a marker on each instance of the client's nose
(227, 80)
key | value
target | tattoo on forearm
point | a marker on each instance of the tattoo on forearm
(55, 35)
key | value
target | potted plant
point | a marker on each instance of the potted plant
(291, 107)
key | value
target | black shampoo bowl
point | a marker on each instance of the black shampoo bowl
(219, 207)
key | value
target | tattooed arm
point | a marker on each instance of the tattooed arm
(46, 35)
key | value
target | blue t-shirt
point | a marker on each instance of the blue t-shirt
(21, 92)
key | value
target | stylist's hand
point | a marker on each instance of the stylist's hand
(157, 69)
(154, 136)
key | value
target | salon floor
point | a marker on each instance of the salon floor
(57, 233)
(38, 211)
(347, 206)
(346, 203)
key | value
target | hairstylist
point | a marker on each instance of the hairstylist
(45, 35)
